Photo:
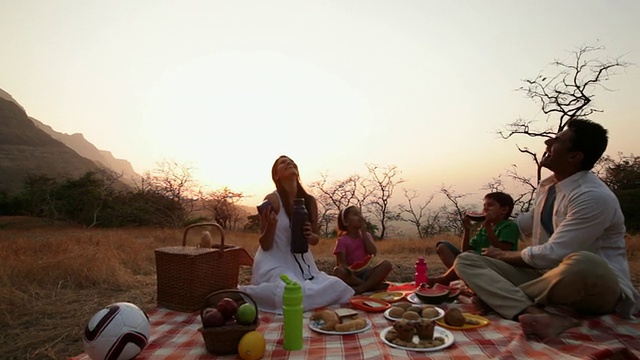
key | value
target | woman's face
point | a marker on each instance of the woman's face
(285, 167)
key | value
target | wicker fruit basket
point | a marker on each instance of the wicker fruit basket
(224, 339)
(187, 274)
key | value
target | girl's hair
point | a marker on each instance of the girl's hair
(287, 203)
(503, 199)
(342, 227)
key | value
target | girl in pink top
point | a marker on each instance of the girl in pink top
(353, 245)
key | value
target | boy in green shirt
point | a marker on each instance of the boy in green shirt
(497, 231)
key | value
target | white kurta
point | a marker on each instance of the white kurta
(319, 289)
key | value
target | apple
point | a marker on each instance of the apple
(227, 307)
(212, 318)
(246, 314)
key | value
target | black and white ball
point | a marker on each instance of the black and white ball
(119, 331)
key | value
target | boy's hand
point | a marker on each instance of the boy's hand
(489, 223)
(466, 222)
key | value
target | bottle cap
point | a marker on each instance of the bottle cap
(292, 291)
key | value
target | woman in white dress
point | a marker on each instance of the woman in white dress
(274, 256)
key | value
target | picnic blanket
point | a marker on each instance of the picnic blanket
(175, 336)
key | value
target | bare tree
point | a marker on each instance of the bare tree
(522, 200)
(562, 96)
(174, 182)
(223, 205)
(453, 216)
(383, 182)
(106, 190)
(425, 221)
(335, 196)
(494, 185)
(620, 174)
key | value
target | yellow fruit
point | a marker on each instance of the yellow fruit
(251, 346)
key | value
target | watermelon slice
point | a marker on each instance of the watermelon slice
(475, 216)
(453, 292)
(361, 265)
(441, 287)
(432, 295)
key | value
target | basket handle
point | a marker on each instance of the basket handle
(216, 225)
(242, 293)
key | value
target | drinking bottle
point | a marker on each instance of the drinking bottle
(292, 313)
(299, 242)
(421, 271)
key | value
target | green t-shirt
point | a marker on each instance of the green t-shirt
(506, 230)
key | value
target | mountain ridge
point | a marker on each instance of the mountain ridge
(28, 146)
(86, 149)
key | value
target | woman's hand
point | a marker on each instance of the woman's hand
(312, 238)
(268, 218)
(268, 222)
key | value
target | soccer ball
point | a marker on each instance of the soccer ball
(119, 331)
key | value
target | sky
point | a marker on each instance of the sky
(225, 87)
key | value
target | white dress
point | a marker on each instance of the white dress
(319, 289)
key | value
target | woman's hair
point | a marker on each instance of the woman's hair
(342, 227)
(287, 203)
(503, 199)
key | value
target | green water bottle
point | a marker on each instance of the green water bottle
(292, 313)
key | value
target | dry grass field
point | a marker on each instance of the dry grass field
(54, 278)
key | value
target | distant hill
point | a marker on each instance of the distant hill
(79, 144)
(27, 146)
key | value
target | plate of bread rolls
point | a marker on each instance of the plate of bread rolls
(328, 322)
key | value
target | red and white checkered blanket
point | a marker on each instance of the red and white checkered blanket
(175, 336)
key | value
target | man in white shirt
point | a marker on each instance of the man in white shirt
(577, 259)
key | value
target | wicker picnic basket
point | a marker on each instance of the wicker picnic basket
(224, 339)
(187, 274)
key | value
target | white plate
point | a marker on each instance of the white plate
(315, 326)
(438, 331)
(414, 299)
(440, 314)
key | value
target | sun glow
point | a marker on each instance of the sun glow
(234, 112)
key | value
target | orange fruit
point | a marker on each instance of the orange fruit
(251, 346)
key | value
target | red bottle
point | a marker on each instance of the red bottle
(421, 271)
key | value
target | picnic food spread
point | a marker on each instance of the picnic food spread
(404, 331)
(328, 320)
(454, 317)
(369, 304)
(413, 312)
(389, 297)
(414, 327)
(471, 321)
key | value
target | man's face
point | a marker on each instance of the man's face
(558, 156)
